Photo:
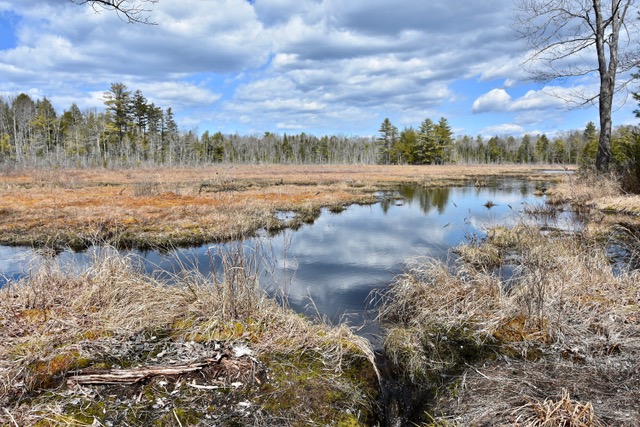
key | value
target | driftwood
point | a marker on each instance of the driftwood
(134, 375)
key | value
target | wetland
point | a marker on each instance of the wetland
(490, 307)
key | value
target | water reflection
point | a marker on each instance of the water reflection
(339, 259)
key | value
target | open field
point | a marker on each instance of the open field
(188, 206)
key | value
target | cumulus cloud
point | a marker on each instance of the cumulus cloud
(330, 64)
(548, 98)
(495, 100)
(538, 100)
(181, 94)
(503, 129)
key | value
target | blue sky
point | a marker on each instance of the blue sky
(290, 66)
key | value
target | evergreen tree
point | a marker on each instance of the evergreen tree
(170, 151)
(494, 150)
(590, 148)
(542, 148)
(119, 107)
(427, 149)
(405, 150)
(560, 152)
(444, 140)
(387, 139)
(140, 112)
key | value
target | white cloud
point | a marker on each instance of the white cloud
(289, 126)
(503, 129)
(326, 64)
(495, 100)
(538, 100)
(178, 94)
(510, 82)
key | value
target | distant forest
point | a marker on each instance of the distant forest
(133, 132)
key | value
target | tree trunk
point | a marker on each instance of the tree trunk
(604, 143)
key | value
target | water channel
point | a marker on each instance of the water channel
(331, 267)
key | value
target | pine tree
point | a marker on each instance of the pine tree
(387, 139)
(427, 148)
(444, 140)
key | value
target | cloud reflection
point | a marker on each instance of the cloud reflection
(340, 258)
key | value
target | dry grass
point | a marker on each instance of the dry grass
(112, 315)
(601, 201)
(564, 412)
(584, 189)
(188, 206)
(566, 320)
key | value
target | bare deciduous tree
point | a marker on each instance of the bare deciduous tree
(133, 11)
(572, 38)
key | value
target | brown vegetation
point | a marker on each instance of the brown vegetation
(555, 344)
(187, 206)
(112, 346)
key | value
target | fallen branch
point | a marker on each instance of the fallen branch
(135, 375)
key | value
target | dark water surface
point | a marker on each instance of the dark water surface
(339, 259)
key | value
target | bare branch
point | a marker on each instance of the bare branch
(572, 38)
(132, 11)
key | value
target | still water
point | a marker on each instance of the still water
(331, 267)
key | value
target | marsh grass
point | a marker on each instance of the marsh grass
(186, 206)
(584, 189)
(561, 412)
(112, 315)
(565, 319)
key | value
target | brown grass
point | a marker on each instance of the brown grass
(563, 412)
(567, 321)
(179, 206)
(112, 315)
(584, 189)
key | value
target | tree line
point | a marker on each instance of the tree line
(432, 143)
(132, 131)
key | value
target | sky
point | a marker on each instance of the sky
(290, 66)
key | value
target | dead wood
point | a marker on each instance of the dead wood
(135, 375)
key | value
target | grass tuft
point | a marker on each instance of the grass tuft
(564, 412)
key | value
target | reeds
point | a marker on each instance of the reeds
(112, 315)
(561, 320)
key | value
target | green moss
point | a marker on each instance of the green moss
(303, 387)
(48, 373)
(349, 420)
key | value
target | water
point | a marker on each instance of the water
(331, 267)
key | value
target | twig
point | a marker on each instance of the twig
(13, 420)
(177, 419)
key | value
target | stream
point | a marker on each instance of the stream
(330, 267)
